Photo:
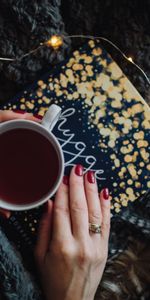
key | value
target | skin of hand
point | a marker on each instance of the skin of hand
(7, 115)
(70, 258)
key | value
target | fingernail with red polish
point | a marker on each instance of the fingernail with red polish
(19, 111)
(91, 177)
(66, 180)
(38, 117)
(106, 193)
(79, 170)
(5, 214)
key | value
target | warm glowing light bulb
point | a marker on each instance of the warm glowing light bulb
(130, 59)
(55, 41)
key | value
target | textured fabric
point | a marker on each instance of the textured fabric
(23, 26)
(125, 23)
(15, 281)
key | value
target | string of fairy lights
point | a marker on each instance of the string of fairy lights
(56, 41)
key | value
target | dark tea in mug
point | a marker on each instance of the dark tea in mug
(29, 166)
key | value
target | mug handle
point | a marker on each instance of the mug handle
(51, 117)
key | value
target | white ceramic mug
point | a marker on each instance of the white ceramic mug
(45, 128)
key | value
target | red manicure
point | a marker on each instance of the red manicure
(106, 193)
(5, 213)
(66, 180)
(19, 111)
(79, 170)
(91, 177)
(38, 117)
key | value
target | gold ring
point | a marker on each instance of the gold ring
(96, 228)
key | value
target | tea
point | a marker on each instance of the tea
(29, 166)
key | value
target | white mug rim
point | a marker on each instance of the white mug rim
(22, 207)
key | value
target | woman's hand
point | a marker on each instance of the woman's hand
(71, 259)
(7, 115)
